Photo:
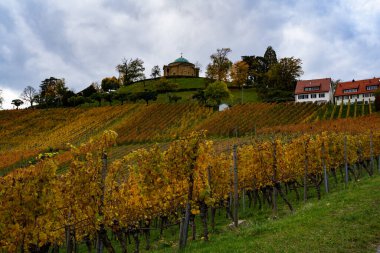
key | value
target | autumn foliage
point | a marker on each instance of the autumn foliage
(41, 208)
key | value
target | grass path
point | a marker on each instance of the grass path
(344, 221)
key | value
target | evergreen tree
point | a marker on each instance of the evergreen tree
(270, 57)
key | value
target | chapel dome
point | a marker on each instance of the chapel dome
(181, 59)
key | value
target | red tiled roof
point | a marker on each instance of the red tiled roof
(323, 84)
(360, 85)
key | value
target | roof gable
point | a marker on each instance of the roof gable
(313, 86)
(356, 87)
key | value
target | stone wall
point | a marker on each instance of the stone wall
(181, 69)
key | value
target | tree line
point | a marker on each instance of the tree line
(274, 80)
(53, 91)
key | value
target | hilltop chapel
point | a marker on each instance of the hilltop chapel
(181, 67)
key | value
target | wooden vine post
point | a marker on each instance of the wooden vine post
(101, 231)
(345, 162)
(371, 153)
(185, 223)
(305, 173)
(274, 179)
(236, 190)
(326, 177)
(229, 209)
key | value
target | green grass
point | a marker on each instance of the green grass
(249, 95)
(344, 221)
(186, 97)
(183, 83)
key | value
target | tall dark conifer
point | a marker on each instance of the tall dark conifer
(270, 57)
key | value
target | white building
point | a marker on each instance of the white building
(223, 107)
(361, 91)
(316, 90)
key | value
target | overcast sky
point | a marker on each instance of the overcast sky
(83, 41)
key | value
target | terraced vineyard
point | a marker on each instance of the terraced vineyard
(26, 133)
(154, 189)
(159, 122)
(126, 183)
(333, 111)
(245, 118)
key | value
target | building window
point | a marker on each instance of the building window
(354, 96)
(303, 96)
(313, 96)
(372, 87)
(350, 90)
(367, 95)
(346, 97)
(311, 88)
(321, 95)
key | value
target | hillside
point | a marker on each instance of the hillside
(248, 118)
(123, 182)
(187, 88)
(26, 133)
(183, 83)
(147, 191)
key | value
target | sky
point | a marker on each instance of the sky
(83, 41)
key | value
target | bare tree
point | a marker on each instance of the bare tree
(29, 95)
(97, 86)
(198, 65)
(156, 72)
(334, 84)
(220, 66)
(131, 70)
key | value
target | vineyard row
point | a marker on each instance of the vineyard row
(40, 208)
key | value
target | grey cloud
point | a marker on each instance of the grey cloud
(83, 41)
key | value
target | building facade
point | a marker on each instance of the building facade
(360, 91)
(316, 91)
(181, 67)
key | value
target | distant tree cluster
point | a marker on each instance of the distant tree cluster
(110, 83)
(275, 80)
(53, 93)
